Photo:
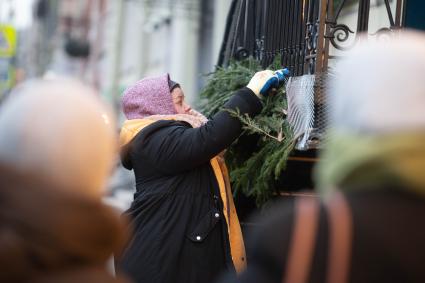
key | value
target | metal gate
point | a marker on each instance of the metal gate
(308, 34)
(303, 32)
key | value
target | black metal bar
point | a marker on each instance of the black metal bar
(296, 34)
(287, 30)
(264, 28)
(276, 35)
(282, 31)
(227, 32)
(293, 44)
(338, 11)
(237, 34)
(329, 9)
(245, 26)
(269, 29)
(267, 34)
(310, 36)
(390, 15)
(314, 35)
(298, 37)
(363, 16)
(307, 35)
(258, 30)
(403, 19)
(275, 31)
(291, 36)
(250, 44)
(398, 13)
(303, 35)
(279, 21)
(305, 41)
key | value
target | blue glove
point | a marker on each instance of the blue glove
(273, 82)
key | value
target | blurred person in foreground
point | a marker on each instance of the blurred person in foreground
(185, 222)
(57, 147)
(368, 227)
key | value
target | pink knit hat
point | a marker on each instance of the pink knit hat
(149, 96)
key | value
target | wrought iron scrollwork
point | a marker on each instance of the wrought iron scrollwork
(339, 33)
(312, 34)
(241, 53)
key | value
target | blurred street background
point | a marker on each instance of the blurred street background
(110, 44)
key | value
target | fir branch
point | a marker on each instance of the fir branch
(250, 125)
(258, 157)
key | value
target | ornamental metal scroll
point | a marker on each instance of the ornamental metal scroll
(342, 37)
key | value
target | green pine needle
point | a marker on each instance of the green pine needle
(258, 157)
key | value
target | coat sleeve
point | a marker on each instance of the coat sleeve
(178, 147)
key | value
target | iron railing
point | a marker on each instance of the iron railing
(301, 31)
(307, 34)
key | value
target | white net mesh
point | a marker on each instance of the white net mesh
(300, 94)
(307, 109)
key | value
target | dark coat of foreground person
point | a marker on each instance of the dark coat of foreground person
(50, 235)
(386, 242)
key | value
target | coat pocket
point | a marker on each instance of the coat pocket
(205, 226)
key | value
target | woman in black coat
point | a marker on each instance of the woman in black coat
(185, 224)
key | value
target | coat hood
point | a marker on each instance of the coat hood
(149, 96)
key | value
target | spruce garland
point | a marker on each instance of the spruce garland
(258, 157)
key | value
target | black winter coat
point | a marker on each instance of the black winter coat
(387, 241)
(178, 236)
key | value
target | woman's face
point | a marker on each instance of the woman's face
(178, 101)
